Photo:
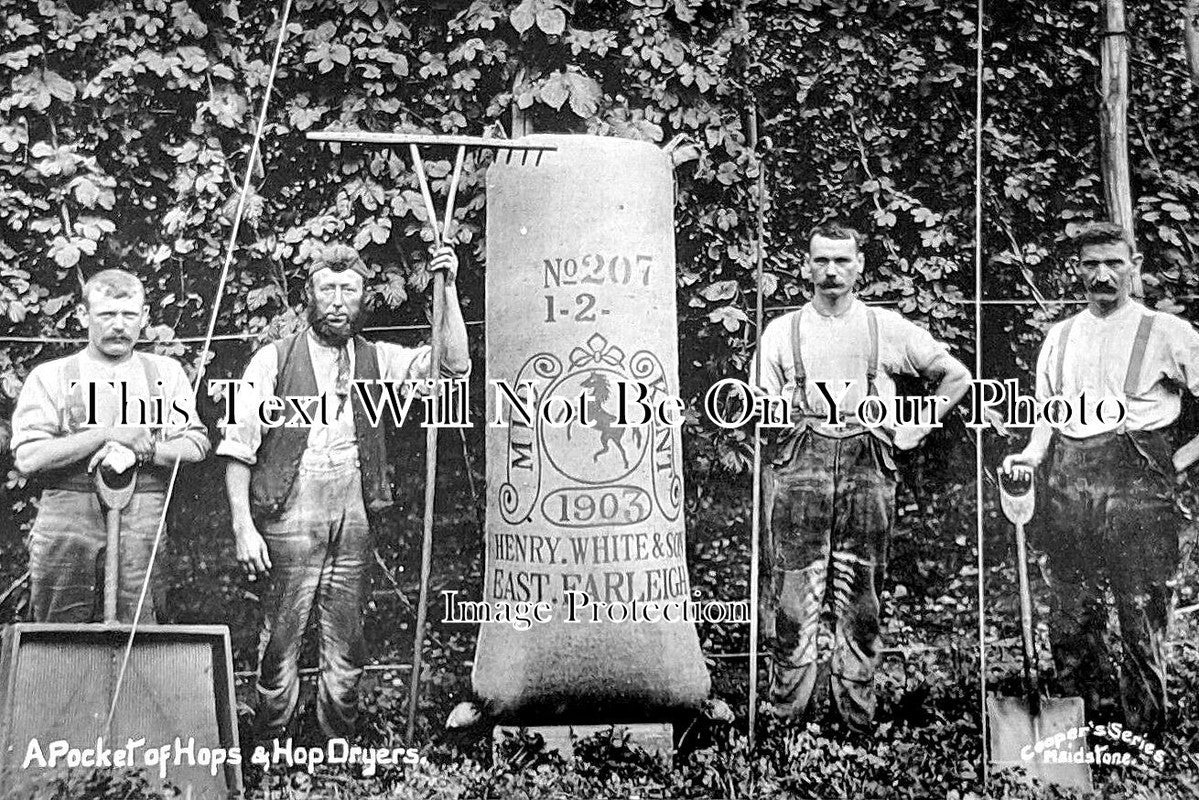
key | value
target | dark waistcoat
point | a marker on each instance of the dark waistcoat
(279, 454)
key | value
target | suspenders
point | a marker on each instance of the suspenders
(1133, 377)
(75, 406)
(799, 396)
(1059, 370)
(1136, 358)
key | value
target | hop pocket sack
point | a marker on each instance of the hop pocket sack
(584, 514)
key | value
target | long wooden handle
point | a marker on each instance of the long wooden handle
(113, 500)
(426, 554)
(1027, 642)
(112, 563)
(426, 549)
(459, 159)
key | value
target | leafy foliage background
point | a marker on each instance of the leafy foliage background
(124, 133)
(1042, 161)
(125, 128)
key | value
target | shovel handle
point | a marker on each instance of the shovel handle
(112, 563)
(113, 499)
(1027, 641)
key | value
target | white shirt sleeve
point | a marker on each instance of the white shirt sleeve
(398, 363)
(37, 416)
(177, 394)
(918, 349)
(242, 438)
(1044, 381)
(776, 344)
(1183, 342)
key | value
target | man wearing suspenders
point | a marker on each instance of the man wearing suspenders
(829, 490)
(1109, 517)
(68, 420)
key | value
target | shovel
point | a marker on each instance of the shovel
(60, 683)
(115, 490)
(1018, 724)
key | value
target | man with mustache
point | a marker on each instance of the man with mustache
(829, 490)
(1109, 518)
(68, 420)
(300, 496)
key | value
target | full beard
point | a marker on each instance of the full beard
(334, 335)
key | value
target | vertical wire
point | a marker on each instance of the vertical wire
(207, 347)
(756, 514)
(978, 432)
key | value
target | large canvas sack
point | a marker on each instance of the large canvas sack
(581, 296)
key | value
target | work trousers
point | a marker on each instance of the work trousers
(1111, 522)
(318, 549)
(829, 509)
(67, 550)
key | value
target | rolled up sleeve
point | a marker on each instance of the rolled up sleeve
(241, 439)
(921, 351)
(184, 400)
(398, 363)
(1183, 341)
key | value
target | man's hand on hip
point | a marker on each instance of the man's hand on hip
(908, 437)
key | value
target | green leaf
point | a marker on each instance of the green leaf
(585, 94)
(730, 317)
(393, 291)
(260, 296)
(720, 290)
(64, 252)
(188, 21)
(376, 230)
(552, 21)
(86, 192)
(555, 91)
(58, 86)
(770, 284)
(523, 17)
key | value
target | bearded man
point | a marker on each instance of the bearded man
(299, 496)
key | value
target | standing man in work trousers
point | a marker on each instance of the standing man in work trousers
(299, 496)
(1110, 519)
(829, 490)
(68, 421)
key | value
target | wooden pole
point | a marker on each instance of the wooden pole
(1190, 37)
(426, 553)
(1113, 118)
(756, 514)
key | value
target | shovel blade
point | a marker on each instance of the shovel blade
(1015, 732)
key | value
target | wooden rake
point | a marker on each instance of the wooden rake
(440, 236)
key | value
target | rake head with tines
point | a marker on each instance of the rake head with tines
(441, 234)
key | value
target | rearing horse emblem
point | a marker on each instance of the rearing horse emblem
(599, 391)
